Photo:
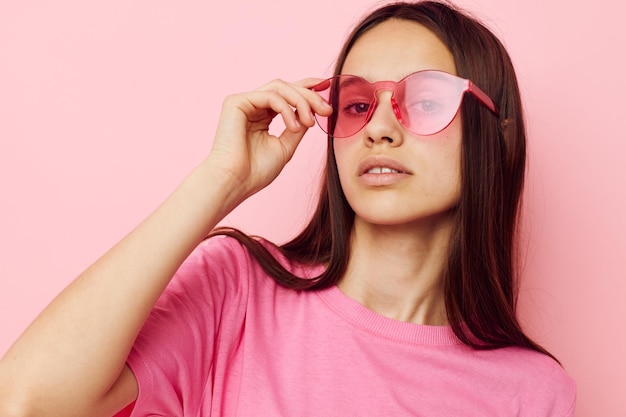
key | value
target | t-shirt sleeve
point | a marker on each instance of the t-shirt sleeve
(172, 357)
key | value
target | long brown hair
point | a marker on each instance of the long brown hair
(480, 277)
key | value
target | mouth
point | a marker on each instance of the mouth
(380, 164)
(382, 170)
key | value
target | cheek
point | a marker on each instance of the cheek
(446, 161)
(451, 141)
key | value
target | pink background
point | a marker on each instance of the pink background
(105, 106)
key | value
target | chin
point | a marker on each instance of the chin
(393, 218)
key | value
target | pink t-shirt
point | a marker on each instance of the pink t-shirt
(226, 340)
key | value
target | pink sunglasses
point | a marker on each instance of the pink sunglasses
(424, 102)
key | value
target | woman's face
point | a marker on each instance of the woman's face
(424, 181)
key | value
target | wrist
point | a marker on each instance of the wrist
(218, 192)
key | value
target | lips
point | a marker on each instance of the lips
(378, 171)
(381, 164)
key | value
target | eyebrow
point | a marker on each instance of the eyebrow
(402, 78)
(353, 79)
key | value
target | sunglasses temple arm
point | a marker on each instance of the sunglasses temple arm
(483, 97)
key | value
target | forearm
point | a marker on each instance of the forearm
(69, 361)
(73, 353)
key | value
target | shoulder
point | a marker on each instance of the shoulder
(535, 378)
(227, 248)
(220, 256)
(215, 271)
(229, 253)
(218, 249)
(537, 367)
(225, 264)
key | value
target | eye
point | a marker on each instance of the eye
(427, 106)
(357, 109)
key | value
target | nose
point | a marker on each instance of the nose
(384, 122)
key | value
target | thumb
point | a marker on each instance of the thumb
(291, 139)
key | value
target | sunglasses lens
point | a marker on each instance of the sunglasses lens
(427, 101)
(350, 98)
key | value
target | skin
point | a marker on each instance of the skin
(402, 220)
(71, 361)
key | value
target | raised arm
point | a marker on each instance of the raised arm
(71, 360)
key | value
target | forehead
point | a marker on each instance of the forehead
(395, 48)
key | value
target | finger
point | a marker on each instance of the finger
(293, 95)
(285, 108)
(301, 98)
(262, 106)
(319, 105)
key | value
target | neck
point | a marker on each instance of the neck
(397, 271)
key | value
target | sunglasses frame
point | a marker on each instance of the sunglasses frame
(468, 87)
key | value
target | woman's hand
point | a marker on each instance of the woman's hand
(244, 150)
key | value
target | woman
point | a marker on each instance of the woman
(398, 298)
